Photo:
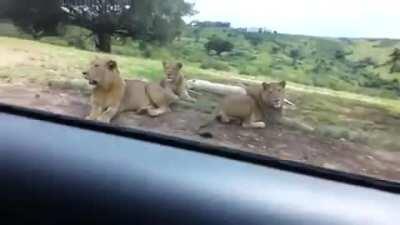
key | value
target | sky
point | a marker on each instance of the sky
(330, 18)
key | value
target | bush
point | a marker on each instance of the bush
(77, 42)
(254, 38)
(395, 67)
(218, 45)
(275, 50)
(143, 47)
(264, 69)
(295, 55)
(334, 131)
(214, 64)
(341, 54)
(248, 70)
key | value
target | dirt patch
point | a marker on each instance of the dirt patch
(63, 102)
(275, 141)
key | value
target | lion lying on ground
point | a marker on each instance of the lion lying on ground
(112, 95)
(175, 81)
(253, 108)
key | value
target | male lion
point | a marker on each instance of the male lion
(251, 109)
(175, 81)
(112, 95)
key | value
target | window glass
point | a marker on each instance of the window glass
(306, 80)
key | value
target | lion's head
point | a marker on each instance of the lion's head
(273, 94)
(172, 70)
(102, 72)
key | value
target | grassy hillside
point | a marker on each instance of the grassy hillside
(40, 62)
(352, 65)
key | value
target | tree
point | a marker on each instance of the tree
(254, 38)
(196, 33)
(103, 18)
(150, 20)
(295, 55)
(155, 20)
(218, 45)
(395, 61)
(38, 18)
(167, 19)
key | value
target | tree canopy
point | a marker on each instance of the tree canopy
(219, 45)
(39, 18)
(150, 20)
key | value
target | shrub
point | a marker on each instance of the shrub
(334, 131)
(143, 47)
(77, 42)
(218, 45)
(254, 38)
(264, 69)
(248, 70)
(395, 67)
(275, 50)
(214, 64)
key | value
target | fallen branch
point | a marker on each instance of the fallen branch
(220, 89)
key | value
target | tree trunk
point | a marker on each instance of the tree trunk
(103, 42)
(221, 89)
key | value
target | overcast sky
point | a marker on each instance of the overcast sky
(337, 18)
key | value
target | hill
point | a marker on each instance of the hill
(352, 65)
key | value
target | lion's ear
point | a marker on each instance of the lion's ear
(179, 65)
(112, 64)
(265, 86)
(283, 84)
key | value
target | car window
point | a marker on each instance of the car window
(305, 81)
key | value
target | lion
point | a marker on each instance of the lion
(112, 95)
(252, 108)
(175, 81)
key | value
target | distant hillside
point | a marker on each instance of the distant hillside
(337, 63)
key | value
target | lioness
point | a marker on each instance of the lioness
(112, 95)
(251, 108)
(175, 81)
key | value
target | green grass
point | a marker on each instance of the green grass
(261, 60)
(70, 62)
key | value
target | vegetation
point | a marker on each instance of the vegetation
(218, 45)
(150, 20)
(352, 65)
(38, 18)
(395, 61)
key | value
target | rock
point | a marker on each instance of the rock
(333, 166)
(251, 146)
